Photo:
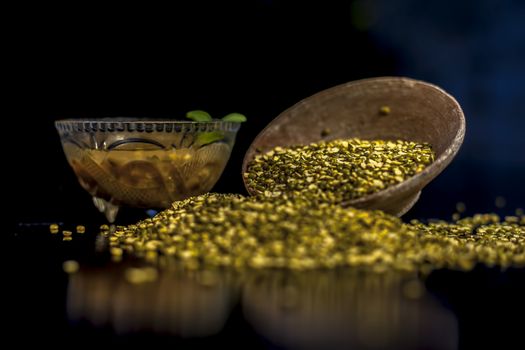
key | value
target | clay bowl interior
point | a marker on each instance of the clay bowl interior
(419, 111)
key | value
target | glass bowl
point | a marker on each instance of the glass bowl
(142, 163)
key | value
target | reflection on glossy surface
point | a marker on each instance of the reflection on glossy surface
(175, 302)
(337, 308)
(347, 308)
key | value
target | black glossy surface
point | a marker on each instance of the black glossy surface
(259, 309)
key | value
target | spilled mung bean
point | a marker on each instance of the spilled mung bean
(292, 232)
(53, 228)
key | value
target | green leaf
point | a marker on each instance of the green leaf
(235, 117)
(199, 116)
(208, 137)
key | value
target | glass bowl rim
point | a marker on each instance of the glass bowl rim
(119, 124)
(139, 120)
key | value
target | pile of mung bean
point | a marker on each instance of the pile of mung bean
(295, 221)
(264, 232)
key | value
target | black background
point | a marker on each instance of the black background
(257, 58)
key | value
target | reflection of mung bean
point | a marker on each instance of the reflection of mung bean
(70, 266)
(338, 170)
(136, 275)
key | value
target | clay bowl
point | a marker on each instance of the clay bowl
(419, 111)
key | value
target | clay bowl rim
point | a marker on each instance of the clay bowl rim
(410, 185)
